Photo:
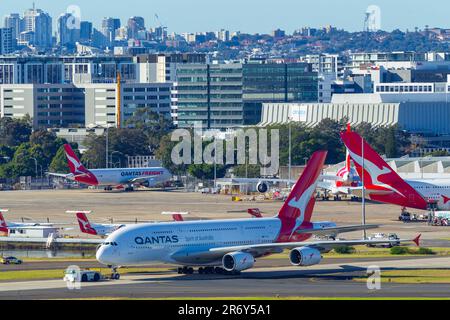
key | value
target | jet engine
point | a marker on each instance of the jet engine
(262, 187)
(238, 261)
(305, 256)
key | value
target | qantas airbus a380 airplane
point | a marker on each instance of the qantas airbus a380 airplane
(115, 177)
(232, 245)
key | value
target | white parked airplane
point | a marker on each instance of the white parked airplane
(6, 226)
(115, 177)
(232, 246)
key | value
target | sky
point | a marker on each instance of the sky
(251, 16)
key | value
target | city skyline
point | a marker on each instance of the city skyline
(237, 16)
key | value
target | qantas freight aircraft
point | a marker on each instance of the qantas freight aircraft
(116, 177)
(383, 184)
(232, 246)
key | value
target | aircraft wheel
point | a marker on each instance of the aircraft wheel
(201, 271)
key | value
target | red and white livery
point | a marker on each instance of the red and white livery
(114, 177)
(383, 184)
(233, 245)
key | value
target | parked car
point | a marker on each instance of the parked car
(10, 260)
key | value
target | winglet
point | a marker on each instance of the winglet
(416, 240)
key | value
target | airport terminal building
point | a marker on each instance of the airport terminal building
(426, 114)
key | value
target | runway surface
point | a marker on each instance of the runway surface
(326, 280)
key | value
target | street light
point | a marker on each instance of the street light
(112, 154)
(290, 151)
(35, 166)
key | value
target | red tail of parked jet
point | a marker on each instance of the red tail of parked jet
(80, 173)
(382, 183)
(298, 208)
(85, 225)
(3, 225)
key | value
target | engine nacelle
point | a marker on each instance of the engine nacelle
(305, 256)
(348, 178)
(238, 261)
(262, 187)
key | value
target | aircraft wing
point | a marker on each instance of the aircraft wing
(338, 230)
(56, 240)
(143, 179)
(259, 249)
(327, 185)
(275, 180)
(60, 175)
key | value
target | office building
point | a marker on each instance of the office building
(13, 21)
(163, 67)
(134, 26)
(109, 28)
(6, 41)
(209, 95)
(276, 82)
(86, 31)
(82, 105)
(38, 27)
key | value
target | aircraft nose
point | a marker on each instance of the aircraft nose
(104, 255)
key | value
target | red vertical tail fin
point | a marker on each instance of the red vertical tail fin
(3, 225)
(75, 165)
(383, 184)
(85, 225)
(298, 207)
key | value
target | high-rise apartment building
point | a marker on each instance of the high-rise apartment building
(135, 25)
(38, 25)
(6, 41)
(109, 28)
(14, 22)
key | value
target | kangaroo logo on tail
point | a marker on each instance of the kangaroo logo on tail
(297, 210)
(85, 225)
(382, 182)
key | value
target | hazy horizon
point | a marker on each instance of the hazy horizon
(250, 16)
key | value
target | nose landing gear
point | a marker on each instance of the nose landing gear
(114, 274)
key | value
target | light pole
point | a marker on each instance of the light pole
(112, 154)
(290, 152)
(363, 190)
(107, 146)
(35, 166)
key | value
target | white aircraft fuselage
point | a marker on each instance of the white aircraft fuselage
(178, 242)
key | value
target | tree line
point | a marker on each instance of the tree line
(24, 152)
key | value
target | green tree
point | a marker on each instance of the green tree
(13, 132)
(155, 126)
(250, 171)
(206, 171)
